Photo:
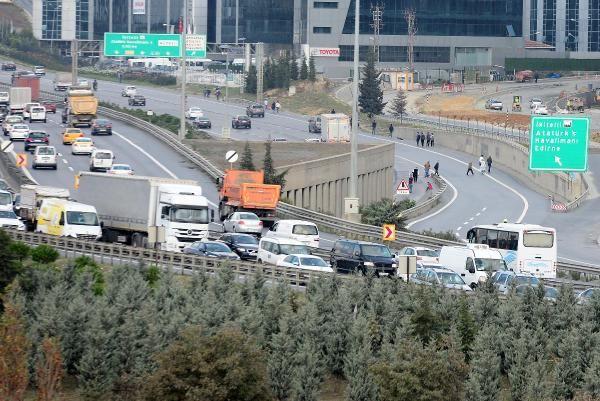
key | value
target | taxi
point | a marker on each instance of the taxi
(71, 134)
(82, 146)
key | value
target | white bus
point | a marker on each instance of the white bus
(526, 248)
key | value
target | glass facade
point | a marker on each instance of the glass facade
(533, 28)
(82, 18)
(549, 22)
(494, 18)
(51, 19)
(268, 21)
(572, 25)
(394, 54)
(594, 26)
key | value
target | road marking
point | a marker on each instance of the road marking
(577, 261)
(71, 168)
(478, 214)
(59, 154)
(484, 209)
(459, 228)
(149, 156)
(471, 219)
(65, 161)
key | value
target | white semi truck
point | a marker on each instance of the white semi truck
(156, 212)
(19, 97)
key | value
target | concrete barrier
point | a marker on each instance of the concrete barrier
(321, 185)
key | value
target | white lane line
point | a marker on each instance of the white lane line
(471, 219)
(59, 154)
(523, 199)
(71, 168)
(465, 223)
(577, 261)
(65, 161)
(459, 228)
(484, 209)
(149, 156)
(478, 214)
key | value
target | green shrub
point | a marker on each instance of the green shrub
(386, 211)
(152, 276)
(20, 250)
(44, 254)
(447, 235)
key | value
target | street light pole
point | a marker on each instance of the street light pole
(182, 128)
(352, 202)
(237, 20)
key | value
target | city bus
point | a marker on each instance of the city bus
(526, 248)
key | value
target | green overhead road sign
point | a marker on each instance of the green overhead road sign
(142, 45)
(559, 143)
(195, 46)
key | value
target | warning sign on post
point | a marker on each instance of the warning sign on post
(402, 188)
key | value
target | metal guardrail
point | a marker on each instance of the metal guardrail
(430, 203)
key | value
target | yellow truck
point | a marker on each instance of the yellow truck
(82, 107)
(65, 218)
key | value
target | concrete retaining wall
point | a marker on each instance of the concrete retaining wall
(510, 157)
(321, 185)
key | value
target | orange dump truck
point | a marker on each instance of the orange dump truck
(243, 190)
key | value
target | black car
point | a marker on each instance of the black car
(245, 245)
(101, 126)
(255, 110)
(202, 122)
(241, 122)
(9, 67)
(350, 256)
(35, 138)
(211, 249)
(137, 100)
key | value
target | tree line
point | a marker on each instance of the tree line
(279, 73)
(136, 333)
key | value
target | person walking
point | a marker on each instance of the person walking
(422, 139)
(428, 139)
(373, 127)
(427, 167)
(489, 163)
(95, 85)
(277, 107)
(120, 76)
(410, 184)
(429, 187)
(482, 164)
(391, 129)
(415, 175)
(266, 104)
(273, 106)
(418, 138)
(432, 140)
(470, 168)
(332, 111)
(436, 168)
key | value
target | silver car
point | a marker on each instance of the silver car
(243, 222)
(440, 276)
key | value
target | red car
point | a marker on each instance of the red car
(50, 107)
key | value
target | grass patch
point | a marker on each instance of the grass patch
(155, 80)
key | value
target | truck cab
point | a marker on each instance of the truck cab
(184, 214)
(474, 262)
(65, 218)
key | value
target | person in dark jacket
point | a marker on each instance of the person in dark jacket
(422, 139)
(489, 163)
(436, 168)
(374, 127)
(391, 129)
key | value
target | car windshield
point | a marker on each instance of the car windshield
(376, 250)
(427, 252)
(73, 131)
(83, 140)
(287, 249)
(37, 134)
(490, 264)
(120, 167)
(3, 185)
(216, 247)
(37, 109)
(305, 229)
(195, 109)
(248, 216)
(103, 155)
(101, 122)
(450, 278)
(318, 262)
(7, 214)
(13, 120)
(526, 280)
(19, 126)
(189, 215)
(45, 151)
(82, 218)
(5, 199)
(245, 239)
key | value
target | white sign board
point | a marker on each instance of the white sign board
(325, 51)
(406, 265)
(231, 156)
(139, 7)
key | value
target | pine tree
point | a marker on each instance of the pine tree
(271, 176)
(591, 379)
(268, 75)
(537, 386)
(466, 328)
(251, 79)
(567, 373)
(484, 380)
(49, 371)
(303, 68)
(9, 265)
(280, 362)
(308, 374)
(312, 69)
(518, 367)
(361, 383)
(370, 97)
(14, 347)
(283, 68)
(399, 105)
(294, 71)
(247, 162)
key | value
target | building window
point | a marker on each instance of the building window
(533, 28)
(572, 25)
(549, 22)
(269, 21)
(325, 4)
(594, 26)
(51, 19)
(399, 54)
(82, 12)
(497, 18)
(321, 29)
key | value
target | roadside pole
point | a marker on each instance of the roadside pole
(74, 62)
(183, 73)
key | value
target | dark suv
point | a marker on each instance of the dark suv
(241, 122)
(137, 100)
(245, 245)
(101, 126)
(350, 256)
(255, 110)
(9, 67)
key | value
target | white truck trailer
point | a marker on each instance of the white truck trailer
(155, 212)
(19, 97)
(335, 127)
(31, 199)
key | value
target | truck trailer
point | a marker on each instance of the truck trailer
(31, 199)
(19, 97)
(82, 106)
(28, 81)
(335, 127)
(147, 212)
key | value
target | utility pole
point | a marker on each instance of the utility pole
(168, 16)
(377, 12)
(351, 203)
(74, 60)
(410, 17)
(110, 15)
(129, 16)
(260, 70)
(237, 20)
(182, 128)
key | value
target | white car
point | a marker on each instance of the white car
(8, 219)
(101, 160)
(243, 222)
(440, 276)
(305, 262)
(129, 91)
(4, 97)
(44, 156)
(424, 255)
(535, 102)
(82, 146)
(503, 280)
(19, 132)
(194, 112)
(8, 123)
(121, 169)
(540, 110)
(39, 70)
(37, 113)
(27, 109)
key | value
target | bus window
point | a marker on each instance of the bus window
(538, 239)
(492, 238)
(481, 236)
(502, 239)
(513, 241)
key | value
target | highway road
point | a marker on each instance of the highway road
(472, 200)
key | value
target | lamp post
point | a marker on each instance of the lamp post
(182, 128)
(226, 48)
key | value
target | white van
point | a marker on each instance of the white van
(6, 200)
(473, 262)
(37, 113)
(27, 109)
(273, 250)
(44, 156)
(299, 230)
(101, 160)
